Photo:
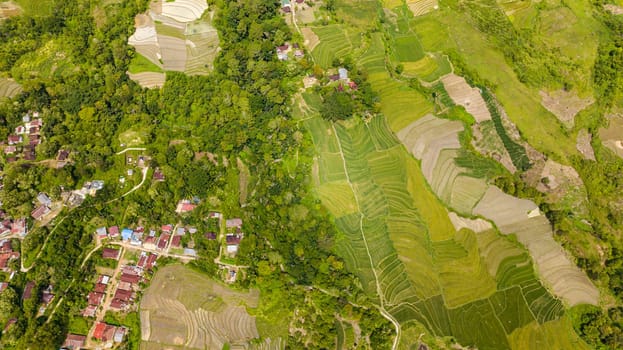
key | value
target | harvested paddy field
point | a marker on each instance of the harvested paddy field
(9, 9)
(422, 7)
(174, 36)
(522, 218)
(464, 95)
(564, 105)
(183, 308)
(9, 88)
(434, 141)
(149, 79)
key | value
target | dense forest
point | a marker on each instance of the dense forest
(238, 111)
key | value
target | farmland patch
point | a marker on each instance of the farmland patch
(173, 36)
(9, 88)
(564, 105)
(186, 309)
(611, 136)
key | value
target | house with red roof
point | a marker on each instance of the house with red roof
(95, 298)
(184, 206)
(177, 241)
(90, 311)
(110, 253)
(15, 139)
(40, 212)
(104, 332)
(28, 290)
(74, 342)
(130, 278)
(113, 231)
(163, 241)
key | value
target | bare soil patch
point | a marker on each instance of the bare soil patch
(583, 144)
(564, 105)
(311, 39)
(464, 95)
(9, 9)
(612, 136)
(614, 9)
(476, 225)
(488, 143)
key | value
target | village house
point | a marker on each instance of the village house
(110, 253)
(15, 139)
(233, 241)
(3, 286)
(101, 233)
(10, 150)
(27, 294)
(7, 254)
(95, 298)
(74, 342)
(184, 206)
(20, 130)
(113, 231)
(19, 227)
(126, 234)
(282, 52)
(62, 155)
(90, 311)
(44, 199)
(285, 6)
(210, 235)
(158, 175)
(46, 298)
(163, 241)
(40, 212)
(234, 224)
(104, 332)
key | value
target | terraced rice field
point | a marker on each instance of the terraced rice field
(400, 104)
(183, 308)
(335, 41)
(406, 252)
(422, 7)
(149, 79)
(9, 88)
(435, 142)
(175, 36)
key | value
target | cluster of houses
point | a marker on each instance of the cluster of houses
(283, 51)
(28, 293)
(7, 254)
(185, 206)
(27, 136)
(127, 286)
(233, 235)
(74, 198)
(16, 227)
(148, 240)
(105, 333)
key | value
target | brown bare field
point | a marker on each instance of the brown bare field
(422, 7)
(183, 308)
(522, 218)
(583, 144)
(311, 39)
(148, 79)
(9, 9)
(173, 52)
(612, 136)
(614, 9)
(464, 95)
(305, 14)
(476, 225)
(564, 105)
(184, 10)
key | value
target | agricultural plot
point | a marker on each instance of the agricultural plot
(335, 41)
(564, 105)
(464, 95)
(429, 68)
(522, 218)
(173, 36)
(409, 257)
(422, 7)
(9, 88)
(476, 225)
(186, 309)
(148, 79)
(9, 9)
